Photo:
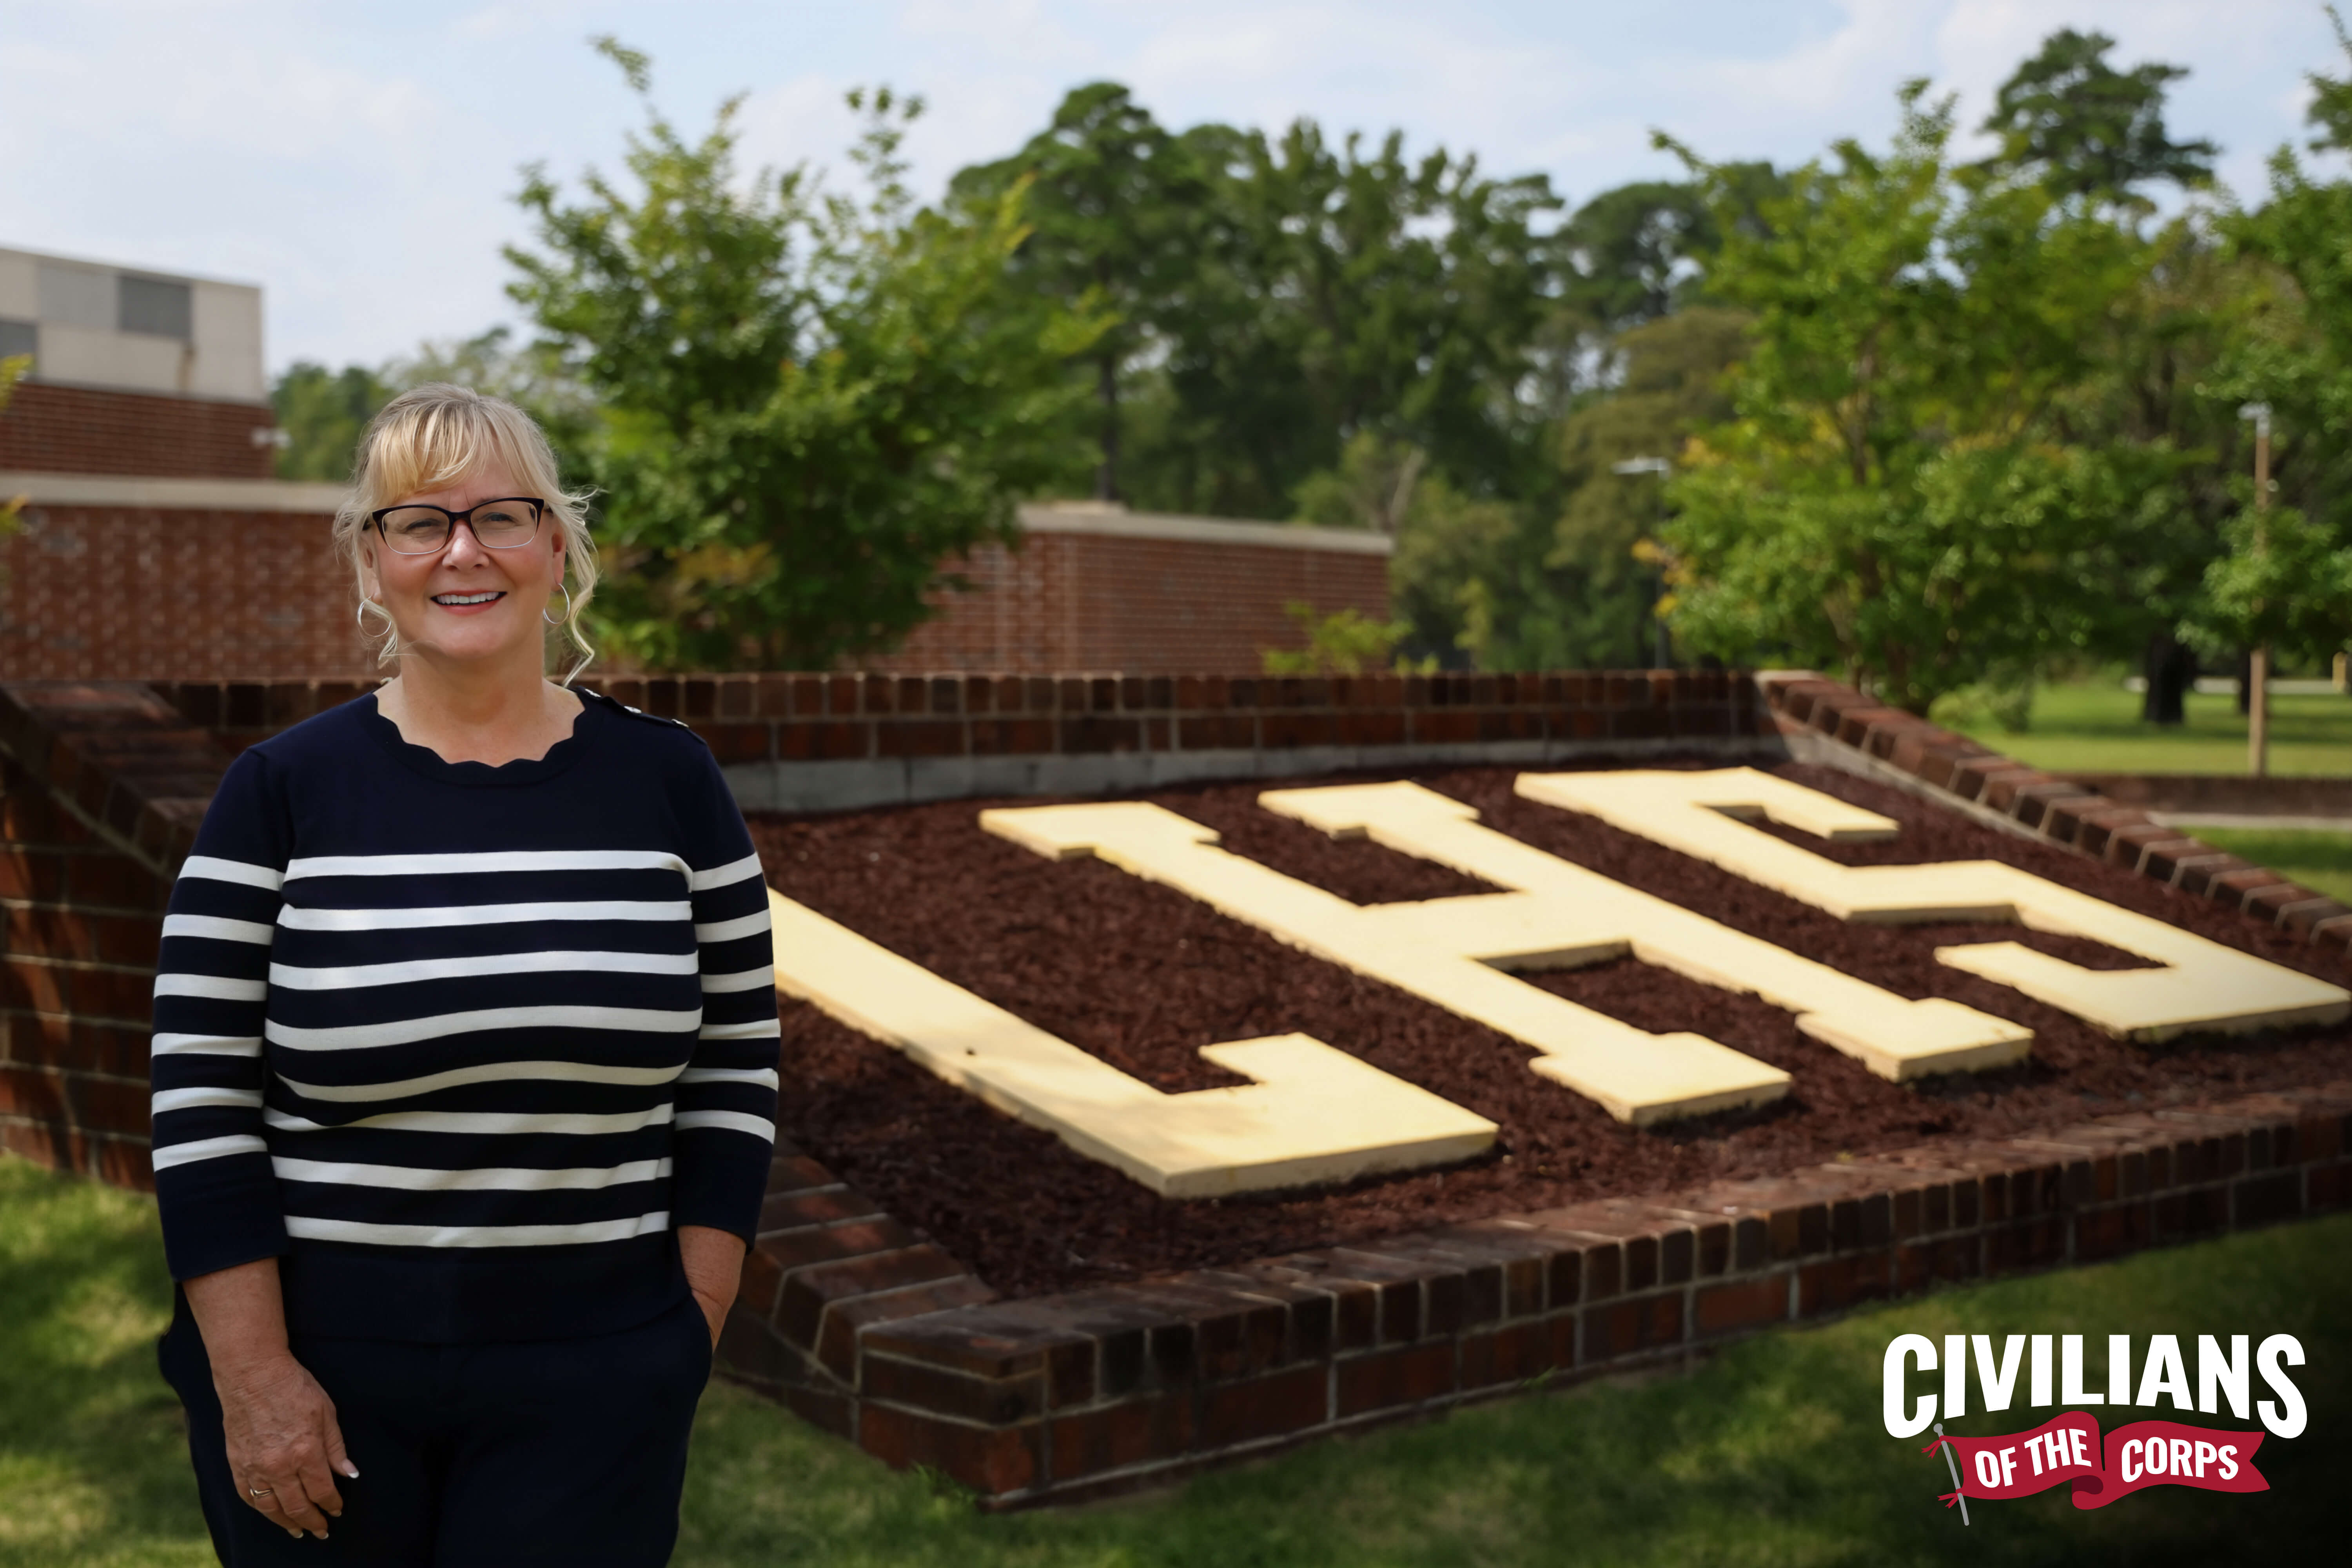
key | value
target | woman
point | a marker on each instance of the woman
(465, 1062)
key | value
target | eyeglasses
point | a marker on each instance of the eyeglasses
(507, 523)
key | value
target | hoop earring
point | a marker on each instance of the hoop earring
(567, 607)
(360, 614)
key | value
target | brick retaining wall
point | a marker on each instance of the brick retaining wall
(868, 1329)
(873, 1333)
(2056, 809)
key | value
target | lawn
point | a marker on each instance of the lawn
(2320, 861)
(2095, 728)
(1771, 1452)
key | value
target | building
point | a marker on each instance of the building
(155, 543)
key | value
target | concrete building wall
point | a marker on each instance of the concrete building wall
(93, 324)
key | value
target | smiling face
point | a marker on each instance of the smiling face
(464, 603)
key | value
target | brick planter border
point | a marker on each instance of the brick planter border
(869, 1330)
(876, 1335)
(2052, 808)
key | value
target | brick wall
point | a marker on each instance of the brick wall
(56, 430)
(99, 792)
(1079, 601)
(798, 717)
(109, 592)
(123, 592)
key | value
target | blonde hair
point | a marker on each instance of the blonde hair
(432, 435)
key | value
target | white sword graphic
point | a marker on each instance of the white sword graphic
(1954, 1466)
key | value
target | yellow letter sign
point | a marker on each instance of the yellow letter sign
(2202, 986)
(1452, 952)
(1314, 1115)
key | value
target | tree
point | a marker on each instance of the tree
(2090, 132)
(1672, 372)
(322, 411)
(1633, 252)
(2282, 582)
(1334, 289)
(1113, 204)
(806, 403)
(1638, 251)
(1898, 495)
(1450, 548)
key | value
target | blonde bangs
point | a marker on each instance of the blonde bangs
(435, 435)
(441, 445)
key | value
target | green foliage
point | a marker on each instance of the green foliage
(2286, 577)
(2285, 582)
(12, 369)
(1671, 382)
(1346, 288)
(1638, 251)
(1902, 495)
(1279, 296)
(2068, 118)
(1114, 205)
(804, 403)
(1631, 250)
(1345, 642)
(322, 413)
(1450, 548)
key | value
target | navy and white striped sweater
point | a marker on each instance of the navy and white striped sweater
(462, 1045)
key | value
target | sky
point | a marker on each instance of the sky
(360, 159)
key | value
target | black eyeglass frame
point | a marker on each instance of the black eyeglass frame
(538, 515)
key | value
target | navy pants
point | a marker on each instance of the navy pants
(569, 1451)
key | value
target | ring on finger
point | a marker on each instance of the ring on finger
(260, 1491)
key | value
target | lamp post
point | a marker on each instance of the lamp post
(1662, 655)
(2258, 659)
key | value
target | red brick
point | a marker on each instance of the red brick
(79, 430)
(1629, 1327)
(992, 1461)
(1264, 1408)
(811, 1291)
(31, 1091)
(791, 1210)
(1740, 1304)
(1387, 1379)
(941, 1391)
(1835, 1283)
(1518, 1351)
(1137, 1432)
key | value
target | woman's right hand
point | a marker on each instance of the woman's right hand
(285, 1449)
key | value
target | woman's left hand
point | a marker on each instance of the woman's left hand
(714, 1268)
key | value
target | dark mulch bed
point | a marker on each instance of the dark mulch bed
(1143, 976)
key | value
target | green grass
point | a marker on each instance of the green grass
(1770, 1453)
(2095, 728)
(2320, 861)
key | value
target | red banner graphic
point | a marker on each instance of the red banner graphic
(2068, 1449)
